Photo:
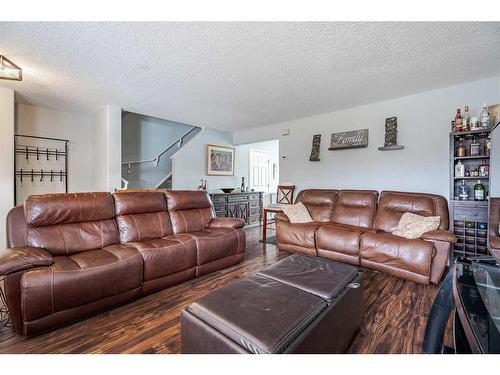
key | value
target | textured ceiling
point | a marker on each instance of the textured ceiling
(236, 75)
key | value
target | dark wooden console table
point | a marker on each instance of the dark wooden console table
(246, 206)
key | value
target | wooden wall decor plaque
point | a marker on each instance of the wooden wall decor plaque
(315, 148)
(350, 139)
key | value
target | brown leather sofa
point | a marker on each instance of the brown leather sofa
(493, 225)
(355, 227)
(71, 255)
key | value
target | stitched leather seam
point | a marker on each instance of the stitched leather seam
(137, 227)
(100, 231)
(64, 241)
(159, 220)
(52, 288)
(184, 220)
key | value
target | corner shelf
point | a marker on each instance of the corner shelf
(472, 157)
(469, 218)
(472, 178)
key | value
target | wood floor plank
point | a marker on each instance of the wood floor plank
(394, 321)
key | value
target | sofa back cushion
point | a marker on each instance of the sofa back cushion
(142, 215)
(392, 205)
(319, 202)
(65, 224)
(190, 211)
(356, 207)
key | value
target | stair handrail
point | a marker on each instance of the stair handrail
(157, 158)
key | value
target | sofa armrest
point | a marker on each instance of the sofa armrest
(281, 216)
(495, 242)
(439, 235)
(23, 258)
(228, 223)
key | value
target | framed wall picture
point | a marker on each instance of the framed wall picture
(220, 160)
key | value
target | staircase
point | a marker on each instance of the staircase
(155, 172)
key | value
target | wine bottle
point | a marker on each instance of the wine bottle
(458, 120)
(466, 119)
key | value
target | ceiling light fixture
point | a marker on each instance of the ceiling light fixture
(9, 70)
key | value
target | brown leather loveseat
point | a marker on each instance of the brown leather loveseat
(71, 255)
(355, 227)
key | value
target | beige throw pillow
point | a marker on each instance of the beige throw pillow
(413, 226)
(297, 213)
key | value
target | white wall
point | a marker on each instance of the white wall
(44, 122)
(242, 164)
(106, 149)
(6, 157)
(423, 125)
(144, 137)
(189, 164)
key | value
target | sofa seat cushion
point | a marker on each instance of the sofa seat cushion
(79, 279)
(165, 256)
(439, 235)
(405, 258)
(338, 243)
(297, 237)
(213, 244)
(260, 314)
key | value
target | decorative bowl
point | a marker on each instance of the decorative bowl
(227, 190)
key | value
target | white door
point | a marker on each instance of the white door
(259, 170)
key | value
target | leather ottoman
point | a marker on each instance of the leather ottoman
(299, 305)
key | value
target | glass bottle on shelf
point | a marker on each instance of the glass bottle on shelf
(474, 147)
(243, 184)
(487, 146)
(463, 191)
(458, 121)
(459, 169)
(484, 118)
(460, 151)
(466, 119)
(479, 191)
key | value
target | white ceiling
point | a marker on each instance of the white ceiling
(236, 75)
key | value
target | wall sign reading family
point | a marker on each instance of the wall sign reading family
(350, 139)
(220, 160)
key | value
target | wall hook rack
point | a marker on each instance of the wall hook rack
(44, 152)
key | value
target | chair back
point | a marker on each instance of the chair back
(285, 194)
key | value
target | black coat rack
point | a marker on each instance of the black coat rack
(43, 154)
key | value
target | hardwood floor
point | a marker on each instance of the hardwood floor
(394, 322)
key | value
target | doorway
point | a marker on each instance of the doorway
(259, 170)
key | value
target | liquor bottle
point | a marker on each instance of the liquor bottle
(466, 119)
(460, 151)
(479, 191)
(487, 146)
(243, 184)
(484, 118)
(458, 120)
(463, 191)
(459, 169)
(474, 147)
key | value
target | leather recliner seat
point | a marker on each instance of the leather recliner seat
(355, 227)
(71, 255)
